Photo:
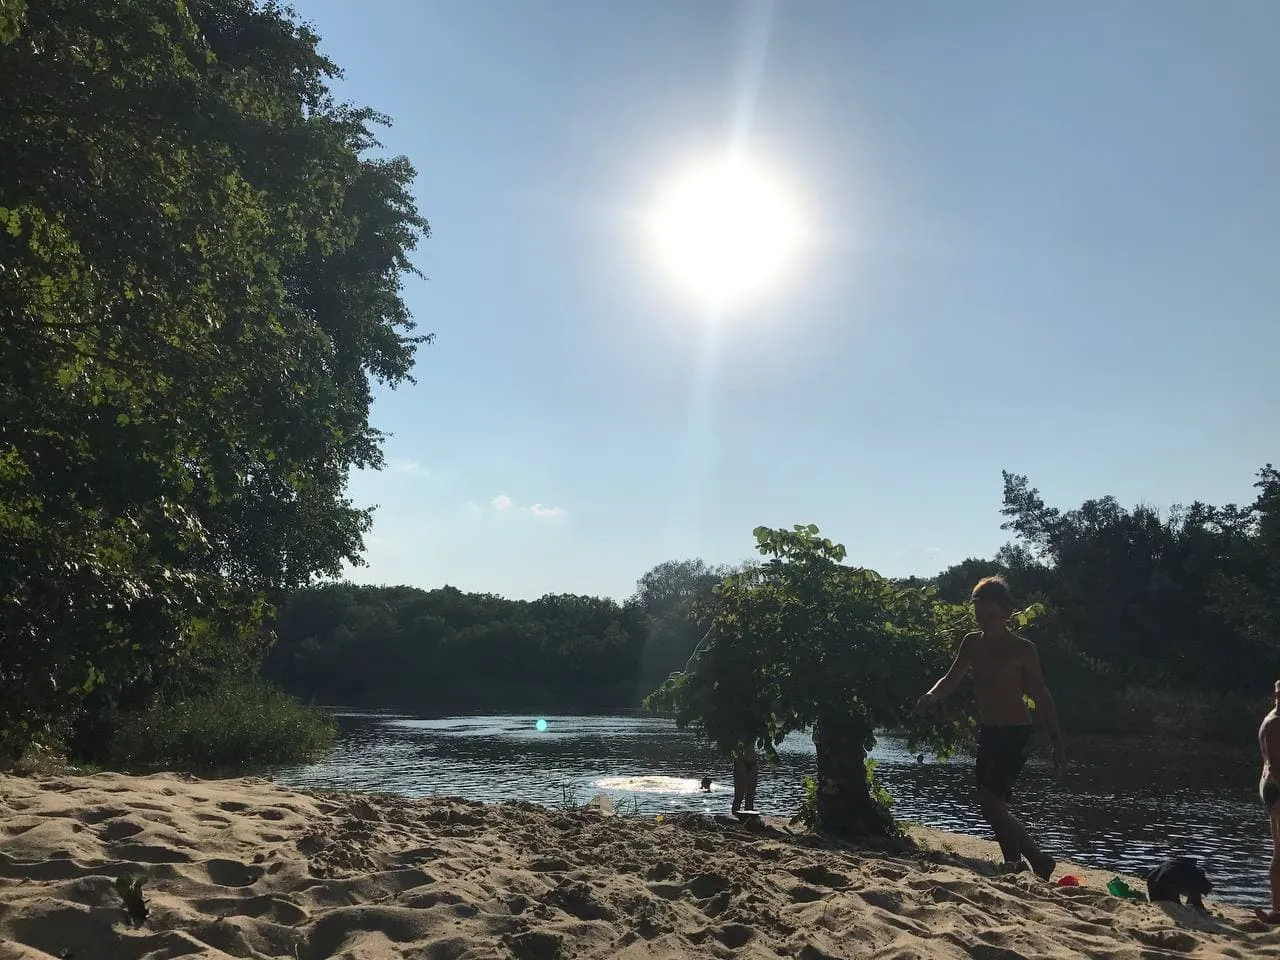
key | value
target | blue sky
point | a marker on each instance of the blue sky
(1046, 238)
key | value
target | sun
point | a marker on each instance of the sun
(726, 230)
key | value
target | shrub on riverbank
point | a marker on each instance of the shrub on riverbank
(235, 726)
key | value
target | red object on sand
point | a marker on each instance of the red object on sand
(1068, 880)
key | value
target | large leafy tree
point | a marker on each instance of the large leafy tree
(671, 595)
(200, 274)
(1184, 596)
(803, 641)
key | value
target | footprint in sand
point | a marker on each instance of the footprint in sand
(707, 885)
(119, 830)
(662, 870)
(735, 936)
(804, 894)
(212, 819)
(272, 909)
(153, 807)
(225, 873)
(821, 876)
(535, 945)
(95, 815)
(56, 928)
(1175, 940)
(550, 865)
(151, 853)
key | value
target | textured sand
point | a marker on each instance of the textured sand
(243, 868)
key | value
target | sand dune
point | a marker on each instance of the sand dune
(243, 868)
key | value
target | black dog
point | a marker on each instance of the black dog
(1176, 878)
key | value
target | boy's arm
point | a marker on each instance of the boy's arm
(951, 680)
(1033, 685)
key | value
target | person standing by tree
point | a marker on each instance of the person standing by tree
(1269, 788)
(1005, 669)
(746, 776)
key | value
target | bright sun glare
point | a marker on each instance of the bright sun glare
(726, 230)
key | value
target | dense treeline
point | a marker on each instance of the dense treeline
(1158, 623)
(1152, 622)
(444, 650)
(200, 269)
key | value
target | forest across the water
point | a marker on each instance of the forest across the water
(1156, 623)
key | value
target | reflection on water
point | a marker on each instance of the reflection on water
(1128, 803)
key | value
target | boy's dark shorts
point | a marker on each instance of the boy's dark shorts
(1002, 753)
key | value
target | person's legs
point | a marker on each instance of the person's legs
(1274, 915)
(1275, 860)
(996, 812)
(1271, 798)
(1001, 757)
(1040, 861)
(994, 781)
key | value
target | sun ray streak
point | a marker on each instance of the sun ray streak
(699, 448)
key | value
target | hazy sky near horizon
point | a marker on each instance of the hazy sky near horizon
(1045, 238)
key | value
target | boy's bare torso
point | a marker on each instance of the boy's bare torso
(998, 666)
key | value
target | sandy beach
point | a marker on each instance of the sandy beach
(244, 868)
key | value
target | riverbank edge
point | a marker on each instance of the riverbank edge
(247, 867)
(1131, 711)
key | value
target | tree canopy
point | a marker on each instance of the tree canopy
(201, 257)
(804, 642)
(1189, 597)
(445, 650)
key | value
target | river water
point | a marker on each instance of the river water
(1127, 803)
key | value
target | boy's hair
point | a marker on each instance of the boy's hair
(994, 589)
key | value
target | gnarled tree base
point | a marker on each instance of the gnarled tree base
(846, 807)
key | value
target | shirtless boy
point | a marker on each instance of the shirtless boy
(1269, 788)
(1004, 668)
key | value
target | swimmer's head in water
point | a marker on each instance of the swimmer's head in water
(992, 602)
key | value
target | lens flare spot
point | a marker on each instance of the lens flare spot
(541, 725)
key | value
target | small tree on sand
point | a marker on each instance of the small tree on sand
(803, 642)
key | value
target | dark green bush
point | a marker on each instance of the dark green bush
(239, 725)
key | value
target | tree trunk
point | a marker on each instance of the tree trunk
(845, 804)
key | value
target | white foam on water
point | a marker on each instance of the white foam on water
(655, 784)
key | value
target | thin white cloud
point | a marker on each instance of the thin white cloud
(501, 502)
(538, 510)
(411, 467)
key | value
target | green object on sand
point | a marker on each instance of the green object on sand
(1118, 888)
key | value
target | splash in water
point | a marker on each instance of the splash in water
(654, 784)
